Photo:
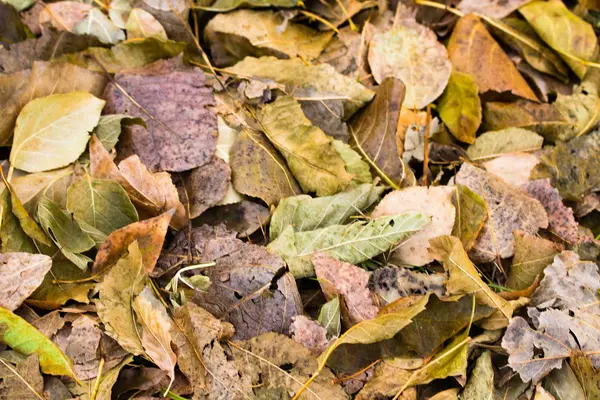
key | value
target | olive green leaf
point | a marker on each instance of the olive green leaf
(24, 338)
(102, 204)
(532, 255)
(330, 317)
(13, 237)
(309, 152)
(65, 232)
(109, 127)
(142, 24)
(563, 385)
(354, 243)
(97, 24)
(228, 5)
(572, 37)
(52, 131)
(30, 187)
(20, 5)
(510, 140)
(481, 383)
(258, 170)
(471, 213)
(305, 213)
(460, 107)
(232, 39)
(355, 165)
(28, 224)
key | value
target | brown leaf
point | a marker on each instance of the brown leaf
(64, 15)
(373, 131)
(80, 342)
(21, 274)
(390, 283)
(523, 114)
(509, 209)
(349, 281)
(150, 235)
(250, 290)
(175, 102)
(245, 217)
(309, 333)
(473, 51)
(23, 382)
(205, 186)
(471, 214)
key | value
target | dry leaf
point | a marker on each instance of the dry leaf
(460, 107)
(390, 283)
(203, 187)
(23, 381)
(540, 118)
(491, 8)
(510, 140)
(310, 334)
(513, 168)
(21, 274)
(471, 214)
(142, 24)
(63, 15)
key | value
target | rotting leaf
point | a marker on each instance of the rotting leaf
(510, 140)
(244, 218)
(21, 274)
(471, 214)
(23, 381)
(473, 51)
(373, 131)
(203, 187)
(460, 107)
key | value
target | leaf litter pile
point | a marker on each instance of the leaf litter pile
(277, 199)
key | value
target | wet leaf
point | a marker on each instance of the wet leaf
(373, 131)
(142, 24)
(309, 153)
(411, 53)
(353, 243)
(577, 38)
(471, 214)
(305, 213)
(109, 128)
(435, 202)
(52, 132)
(485, 61)
(491, 8)
(242, 33)
(21, 273)
(329, 317)
(497, 143)
(481, 383)
(259, 171)
(532, 255)
(460, 107)
(97, 24)
(509, 209)
(24, 338)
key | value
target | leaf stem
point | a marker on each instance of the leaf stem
(98, 379)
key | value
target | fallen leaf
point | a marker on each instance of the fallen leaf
(510, 140)
(359, 169)
(64, 15)
(203, 187)
(513, 168)
(20, 5)
(149, 234)
(305, 213)
(257, 169)
(22, 274)
(242, 33)
(385, 382)
(109, 128)
(309, 153)
(473, 51)
(228, 5)
(98, 25)
(509, 209)
(460, 107)
(118, 11)
(294, 73)
(411, 53)
(587, 374)
(330, 317)
(54, 125)
(24, 338)
(13, 237)
(491, 8)
(338, 13)
(471, 214)
(540, 118)
(244, 217)
(142, 24)
(562, 384)
(578, 40)
(353, 243)
(326, 114)
(80, 342)
(170, 143)
(156, 325)
(311, 334)
(28, 188)
(105, 384)
(253, 291)
(391, 283)
(435, 202)
(481, 383)
(121, 284)
(373, 131)
(348, 281)
(532, 255)
(23, 381)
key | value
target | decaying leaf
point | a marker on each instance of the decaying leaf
(244, 218)
(23, 381)
(373, 131)
(22, 274)
(390, 283)
(171, 143)
(473, 51)
(509, 209)
(242, 33)
(491, 8)
(497, 143)
(411, 53)
(353, 243)
(460, 107)
(386, 381)
(435, 202)
(471, 214)
(205, 186)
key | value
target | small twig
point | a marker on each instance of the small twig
(426, 145)
(98, 380)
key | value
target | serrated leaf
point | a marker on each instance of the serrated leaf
(142, 24)
(309, 152)
(109, 128)
(101, 204)
(471, 213)
(24, 338)
(329, 317)
(460, 107)
(97, 24)
(576, 38)
(510, 140)
(52, 131)
(353, 243)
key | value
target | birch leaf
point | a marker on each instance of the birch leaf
(460, 107)
(52, 131)
(97, 24)
(21, 274)
(142, 24)
(510, 140)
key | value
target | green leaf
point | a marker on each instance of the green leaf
(294, 73)
(576, 38)
(97, 24)
(309, 152)
(258, 170)
(100, 203)
(24, 338)
(142, 24)
(329, 317)
(305, 213)
(52, 131)
(460, 107)
(497, 143)
(563, 385)
(481, 383)
(109, 128)
(28, 224)
(471, 213)
(20, 5)
(353, 243)
(232, 39)
(65, 232)
(228, 5)
(354, 163)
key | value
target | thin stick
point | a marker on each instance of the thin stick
(426, 145)
(98, 379)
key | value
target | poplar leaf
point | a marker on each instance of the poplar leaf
(510, 140)
(460, 107)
